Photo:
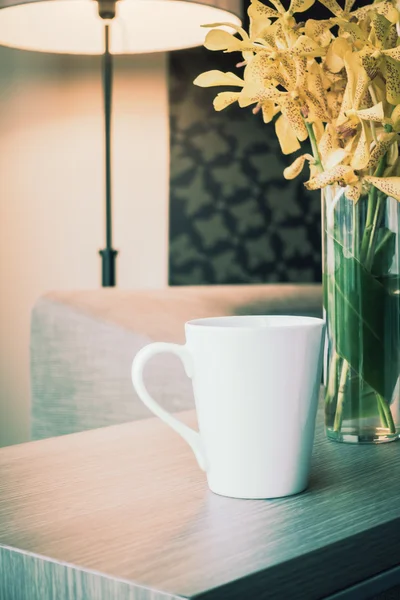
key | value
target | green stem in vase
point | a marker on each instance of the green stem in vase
(382, 415)
(355, 240)
(375, 211)
(376, 205)
(379, 209)
(372, 208)
(335, 358)
(332, 381)
(388, 417)
(372, 196)
(337, 425)
(314, 146)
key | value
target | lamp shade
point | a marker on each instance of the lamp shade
(74, 26)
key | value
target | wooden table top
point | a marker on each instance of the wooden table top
(129, 502)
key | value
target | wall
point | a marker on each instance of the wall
(51, 200)
(234, 218)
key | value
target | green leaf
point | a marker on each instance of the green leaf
(362, 400)
(384, 252)
(364, 320)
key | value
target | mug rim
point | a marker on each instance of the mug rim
(276, 321)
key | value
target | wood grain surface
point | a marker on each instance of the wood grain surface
(128, 502)
(24, 576)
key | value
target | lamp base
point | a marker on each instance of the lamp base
(108, 256)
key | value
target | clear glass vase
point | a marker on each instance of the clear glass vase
(361, 266)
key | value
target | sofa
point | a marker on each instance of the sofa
(83, 343)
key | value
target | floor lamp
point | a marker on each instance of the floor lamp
(108, 27)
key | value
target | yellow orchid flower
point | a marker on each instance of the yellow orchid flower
(353, 192)
(219, 39)
(277, 69)
(361, 156)
(303, 88)
(341, 174)
(260, 18)
(353, 116)
(334, 7)
(336, 54)
(290, 127)
(252, 93)
(224, 99)
(303, 85)
(334, 99)
(334, 80)
(217, 78)
(388, 185)
(258, 10)
(306, 46)
(384, 8)
(385, 141)
(319, 31)
(328, 142)
(288, 140)
(356, 88)
(394, 119)
(293, 170)
(291, 112)
(379, 51)
(255, 92)
(314, 94)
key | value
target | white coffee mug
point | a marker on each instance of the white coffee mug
(256, 384)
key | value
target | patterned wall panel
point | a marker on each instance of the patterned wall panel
(233, 218)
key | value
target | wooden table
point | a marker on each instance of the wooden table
(124, 513)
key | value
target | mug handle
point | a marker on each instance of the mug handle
(191, 436)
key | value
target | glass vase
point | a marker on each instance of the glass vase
(361, 262)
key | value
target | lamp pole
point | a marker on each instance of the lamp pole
(108, 254)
